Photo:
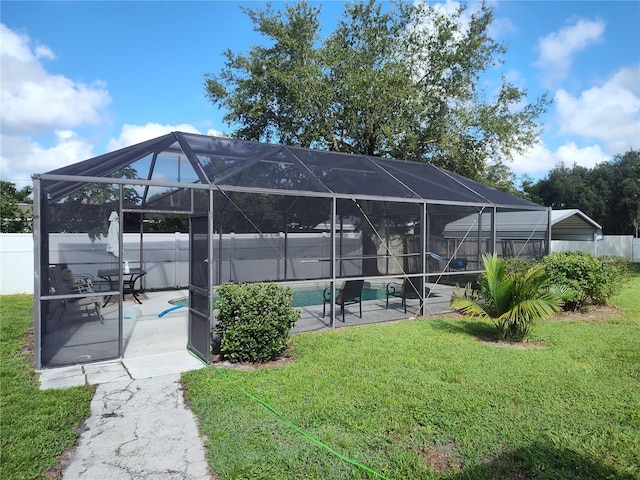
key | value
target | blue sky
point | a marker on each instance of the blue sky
(82, 78)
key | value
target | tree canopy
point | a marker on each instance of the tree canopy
(399, 80)
(87, 209)
(15, 219)
(609, 193)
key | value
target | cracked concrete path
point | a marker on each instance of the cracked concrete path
(139, 429)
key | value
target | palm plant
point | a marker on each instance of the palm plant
(513, 302)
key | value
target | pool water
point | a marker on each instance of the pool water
(308, 296)
(304, 296)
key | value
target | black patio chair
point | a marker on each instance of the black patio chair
(410, 288)
(350, 293)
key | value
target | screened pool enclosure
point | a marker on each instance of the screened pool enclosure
(256, 212)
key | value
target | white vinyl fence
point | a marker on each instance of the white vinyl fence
(166, 256)
(610, 245)
(16, 263)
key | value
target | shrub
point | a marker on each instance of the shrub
(518, 265)
(624, 266)
(254, 321)
(586, 278)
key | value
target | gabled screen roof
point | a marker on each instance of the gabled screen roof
(185, 158)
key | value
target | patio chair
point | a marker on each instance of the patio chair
(350, 293)
(410, 288)
(63, 282)
(454, 264)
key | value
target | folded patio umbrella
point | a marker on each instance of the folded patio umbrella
(113, 234)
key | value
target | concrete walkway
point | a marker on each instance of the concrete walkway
(139, 429)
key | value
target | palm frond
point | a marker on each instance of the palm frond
(498, 285)
(533, 310)
(468, 302)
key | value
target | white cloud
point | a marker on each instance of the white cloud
(500, 27)
(558, 48)
(609, 113)
(132, 134)
(68, 148)
(41, 113)
(36, 101)
(217, 133)
(514, 76)
(538, 160)
(42, 51)
(16, 46)
(449, 8)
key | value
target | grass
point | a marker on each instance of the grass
(36, 426)
(427, 399)
(414, 399)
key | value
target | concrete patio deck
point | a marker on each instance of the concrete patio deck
(157, 346)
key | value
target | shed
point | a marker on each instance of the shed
(573, 224)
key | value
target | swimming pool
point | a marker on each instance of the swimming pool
(307, 296)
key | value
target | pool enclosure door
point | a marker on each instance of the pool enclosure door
(200, 301)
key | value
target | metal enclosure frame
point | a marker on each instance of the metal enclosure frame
(384, 200)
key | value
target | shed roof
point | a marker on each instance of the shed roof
(573, 224)
(188, 159)
(508, 225)
(569, 224)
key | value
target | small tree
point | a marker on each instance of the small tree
(254, 321)
(512, 301)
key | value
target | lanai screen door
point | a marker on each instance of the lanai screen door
(200, 301)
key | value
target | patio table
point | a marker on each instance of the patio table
(129, 281)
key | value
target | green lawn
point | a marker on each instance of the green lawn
(427, 399)
(36, 426)
(413, 399)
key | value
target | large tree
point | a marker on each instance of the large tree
(399, 80)
(609, 193)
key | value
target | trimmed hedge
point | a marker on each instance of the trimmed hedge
(254, 321)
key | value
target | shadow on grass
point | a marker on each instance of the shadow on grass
(540, 460)
(483, 330)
